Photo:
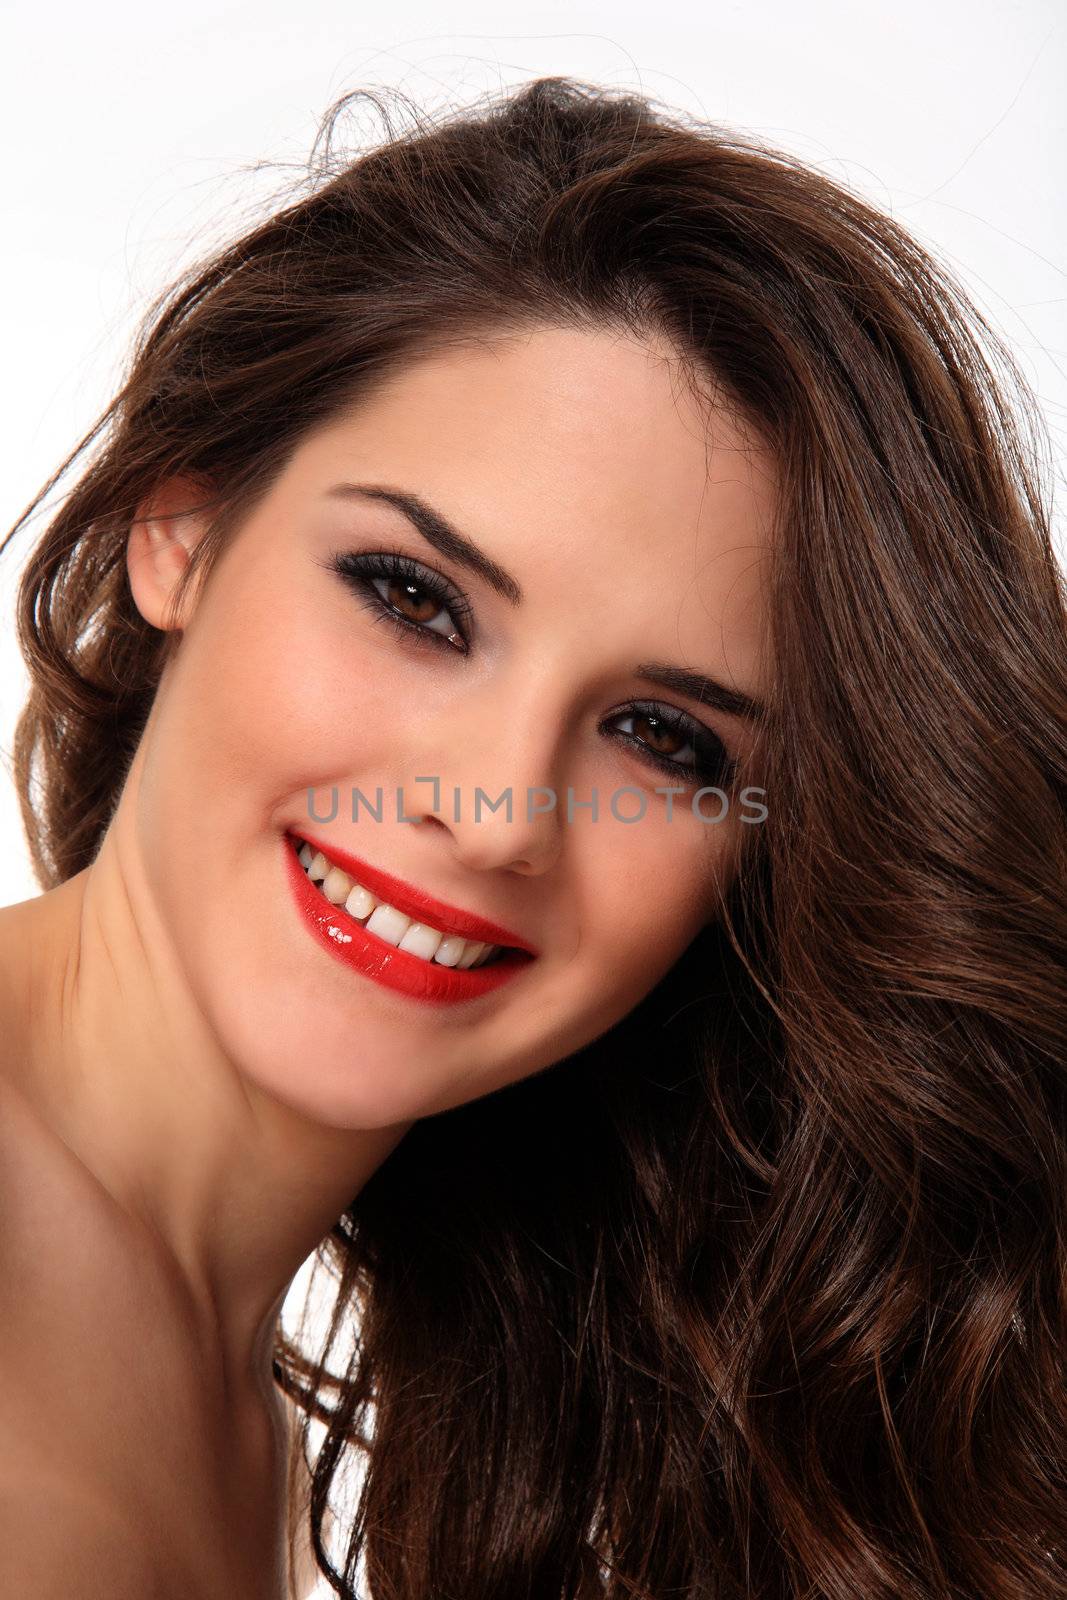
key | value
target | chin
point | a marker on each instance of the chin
(367, 1074)
(367, 1084)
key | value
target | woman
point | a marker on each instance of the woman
(705, 1236)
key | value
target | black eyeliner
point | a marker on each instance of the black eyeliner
(359, 568)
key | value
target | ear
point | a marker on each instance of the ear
(162, 538)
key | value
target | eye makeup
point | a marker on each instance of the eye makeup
(387, 580)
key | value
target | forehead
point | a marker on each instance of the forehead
(577, 458)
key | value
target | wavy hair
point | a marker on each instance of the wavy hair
(763, 1293)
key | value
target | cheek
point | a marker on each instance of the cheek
(647, 900)
(275, 691)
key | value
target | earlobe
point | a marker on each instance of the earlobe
(161, 542)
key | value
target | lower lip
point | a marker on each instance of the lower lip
(349, 942)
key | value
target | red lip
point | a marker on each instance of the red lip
(413, 903)
(350, 943)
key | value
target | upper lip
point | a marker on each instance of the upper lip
(416, 903)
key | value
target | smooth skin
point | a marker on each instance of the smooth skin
(194, 1090)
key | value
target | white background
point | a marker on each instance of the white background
(130, 133)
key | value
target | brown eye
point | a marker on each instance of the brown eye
(662, 740)
(665, 740)
(418, 600)
(401, 595)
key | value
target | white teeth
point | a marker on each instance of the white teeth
(421, 941)
(389, 924)
(450, 950)
(360, 903)
(337, 886)
(471, 954)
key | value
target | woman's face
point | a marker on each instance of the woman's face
(633, 523)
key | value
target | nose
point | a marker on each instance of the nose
(526, 849)
(494, 790)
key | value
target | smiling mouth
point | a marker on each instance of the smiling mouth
(394, 927)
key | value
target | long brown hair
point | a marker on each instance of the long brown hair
(762, 1293)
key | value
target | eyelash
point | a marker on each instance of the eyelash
(359, 571)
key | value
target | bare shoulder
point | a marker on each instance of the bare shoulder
(60, 1369)
(35, 1173)
(15, 1008)
(56, 1542)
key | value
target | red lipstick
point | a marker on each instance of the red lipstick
(350, 942)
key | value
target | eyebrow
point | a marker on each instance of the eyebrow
(446, 538)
